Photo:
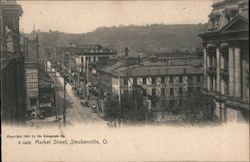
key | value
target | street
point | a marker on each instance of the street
(75, 112)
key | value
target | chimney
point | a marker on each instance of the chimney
(126, 51)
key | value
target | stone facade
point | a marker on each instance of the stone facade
(13, 97)
(226, 59)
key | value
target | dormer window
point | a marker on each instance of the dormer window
(214, 21)
(230, 13)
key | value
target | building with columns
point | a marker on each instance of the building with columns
(226, 59)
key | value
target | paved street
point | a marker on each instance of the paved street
(75, 113)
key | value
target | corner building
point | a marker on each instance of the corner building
(226, 59)
(12, 89)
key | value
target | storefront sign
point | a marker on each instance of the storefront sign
(32, 82)
(45, 104)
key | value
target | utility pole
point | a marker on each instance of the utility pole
(82, 60)
(55, 80)
(37, 45)
(64, 108)
(119, 98)
(87, 72)
(87, 78)
(136, 103)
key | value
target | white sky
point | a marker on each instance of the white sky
(86, 16)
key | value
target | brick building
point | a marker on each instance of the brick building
(168, 83)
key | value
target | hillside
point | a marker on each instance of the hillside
(137, 38)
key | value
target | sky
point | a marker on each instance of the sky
(86, 16)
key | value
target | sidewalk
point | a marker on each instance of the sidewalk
(47, 122)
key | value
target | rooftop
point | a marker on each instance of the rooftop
(149, 69)
(217, 1)
(88, 49)
(11, 6)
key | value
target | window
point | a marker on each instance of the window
(162, 91)
(171, 79)
(228, 18)
(125, 81)
(180, 90)
(125, 92)
(190, 79)
(190, 89)
(134, 81)
(153, 92)
(162, 79)
(153, 80)
(180, 102)
(144, 81)
(226, 61)
(171, 103)
(180, 79)
(198, 88)
(171, 91)
(82, 60)
(33, 102)
(198, 78)
(163, 103)
(144, 92)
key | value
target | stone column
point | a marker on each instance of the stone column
(205, 67)
(208, 83)
(218, 55)
(237, 72)
(231, 71)
(222, 86)
(208, 60)
(214, 84)
(245, 76)
(222, 61)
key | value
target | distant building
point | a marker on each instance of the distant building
(13, 96)
(82, 54)
(226, 58)
(79, 58)
(87, 54)
(182, 57)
